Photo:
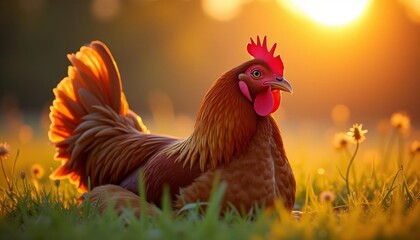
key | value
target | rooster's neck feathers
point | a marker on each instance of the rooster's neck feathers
(225, 125)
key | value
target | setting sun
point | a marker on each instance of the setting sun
(331, 12)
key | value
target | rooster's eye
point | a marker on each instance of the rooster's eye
(256, 73)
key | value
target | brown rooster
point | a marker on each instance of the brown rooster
(99, 139)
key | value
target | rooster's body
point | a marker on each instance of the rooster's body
(99, 139)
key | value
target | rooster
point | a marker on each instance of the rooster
(103, 144)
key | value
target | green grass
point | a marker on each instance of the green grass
(39, 214)
(383, 202)
(388, 213)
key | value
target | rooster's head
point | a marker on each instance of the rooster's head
(263, 79)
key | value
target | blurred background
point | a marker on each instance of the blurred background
(348, 61)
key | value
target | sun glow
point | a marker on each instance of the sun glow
(330, 12)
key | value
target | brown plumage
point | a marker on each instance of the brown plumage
(99, 138)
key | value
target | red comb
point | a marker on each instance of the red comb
(260, 51)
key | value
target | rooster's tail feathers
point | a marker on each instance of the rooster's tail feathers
(89, 96)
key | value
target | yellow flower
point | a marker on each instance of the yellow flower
(356, 133)
(341, 140)
(415, 147)
(4, 151)
(400, 121)
(327, 197)
(37, 171)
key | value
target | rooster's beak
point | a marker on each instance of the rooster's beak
(280, 84)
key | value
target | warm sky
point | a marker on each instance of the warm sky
(371, 63)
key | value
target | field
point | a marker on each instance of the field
(347, 190)
(351, 129)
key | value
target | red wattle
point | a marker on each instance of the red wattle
(264, 102)
(276, 98)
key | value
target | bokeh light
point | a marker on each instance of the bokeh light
(329, 12)
(105, 10)
(222, 10)
(340, 113)
(321, 171)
